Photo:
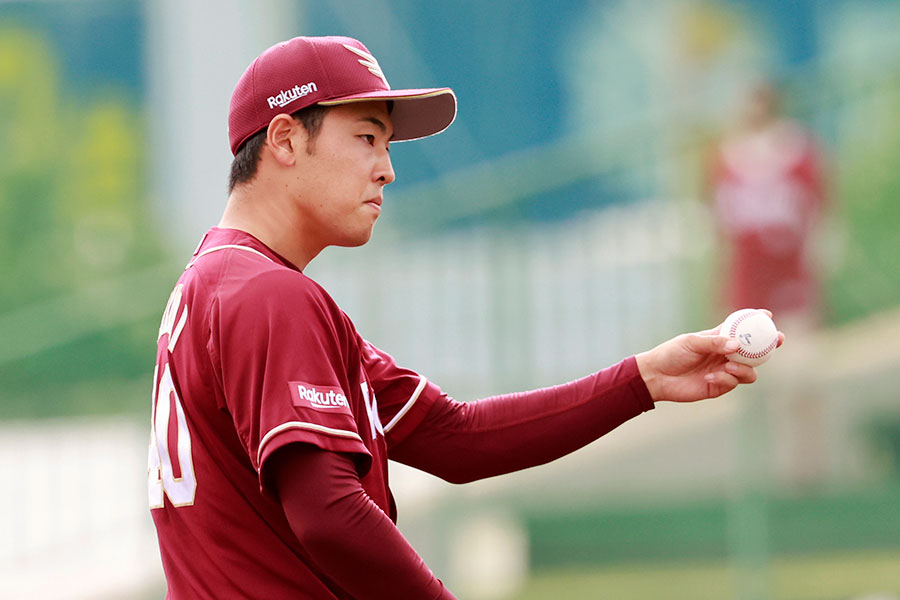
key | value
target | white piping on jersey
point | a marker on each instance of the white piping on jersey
(303, 425)
(408, 405)
(225, 247)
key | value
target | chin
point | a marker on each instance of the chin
(354, 241)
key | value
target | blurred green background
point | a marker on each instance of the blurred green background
(558, 226)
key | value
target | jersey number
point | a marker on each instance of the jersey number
(160, 473)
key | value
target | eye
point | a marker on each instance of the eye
(370, 139)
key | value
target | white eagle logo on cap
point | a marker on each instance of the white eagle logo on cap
(368, 61)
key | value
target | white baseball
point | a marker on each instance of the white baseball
(755, 331)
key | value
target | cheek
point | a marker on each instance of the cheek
(336, 184)
(353, 178)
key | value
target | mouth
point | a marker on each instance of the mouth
(375, 202)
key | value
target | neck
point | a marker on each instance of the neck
(258, 213)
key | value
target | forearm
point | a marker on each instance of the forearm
(465, 441)
(345, 534)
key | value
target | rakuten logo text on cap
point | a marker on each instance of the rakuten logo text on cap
(322, 399)
(285, 97)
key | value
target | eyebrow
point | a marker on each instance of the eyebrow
(377, 122)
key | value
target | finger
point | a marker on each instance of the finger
(743, 373)
(720, 382)
(713, 331)
(711, 344)
(780, 339)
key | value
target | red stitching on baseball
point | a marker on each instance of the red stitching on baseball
(743, 352)
(759, 354)
(738, 320)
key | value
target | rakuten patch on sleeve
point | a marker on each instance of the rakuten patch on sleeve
(293, 378)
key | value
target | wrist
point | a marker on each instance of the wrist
(648, 373)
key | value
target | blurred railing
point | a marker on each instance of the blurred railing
(489, 310)
(72, 516)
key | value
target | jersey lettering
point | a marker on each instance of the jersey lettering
(160, 472)
(168, 324)
(372, 411)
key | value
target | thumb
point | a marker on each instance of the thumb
(711, 344)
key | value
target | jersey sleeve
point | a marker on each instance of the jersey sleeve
(281, 346)
(466, 441)
(404, 397)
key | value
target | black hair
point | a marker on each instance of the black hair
(246, 159)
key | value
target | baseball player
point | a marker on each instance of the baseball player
(768, 185)
(273, 418)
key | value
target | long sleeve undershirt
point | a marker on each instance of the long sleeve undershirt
(355, 544)
(350, 539)
(466, 441)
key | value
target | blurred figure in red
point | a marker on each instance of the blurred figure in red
(768, 190)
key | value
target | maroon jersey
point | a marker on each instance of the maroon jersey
(768, 196)
(253, 355)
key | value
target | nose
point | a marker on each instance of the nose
(385, 172)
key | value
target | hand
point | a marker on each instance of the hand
(692, 367)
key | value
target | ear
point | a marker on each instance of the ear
(282, 137)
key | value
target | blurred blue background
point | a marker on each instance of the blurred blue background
(562, 223)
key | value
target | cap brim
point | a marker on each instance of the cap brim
(416, 113)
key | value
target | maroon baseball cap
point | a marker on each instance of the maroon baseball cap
(329, 70)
